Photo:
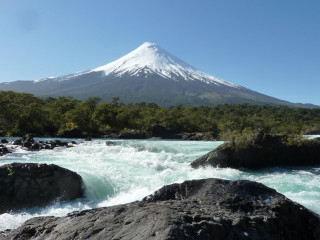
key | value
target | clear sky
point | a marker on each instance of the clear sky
(270, 46)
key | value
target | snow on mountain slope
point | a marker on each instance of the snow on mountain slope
(150, 58)
(62, 78)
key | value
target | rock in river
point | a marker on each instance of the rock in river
(199, 209)
(262, 150)
(24, 185)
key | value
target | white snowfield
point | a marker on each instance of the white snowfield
(62, 78)
(150, 58)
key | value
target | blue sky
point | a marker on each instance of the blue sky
(269, 46)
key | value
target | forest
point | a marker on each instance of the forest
(22, 113)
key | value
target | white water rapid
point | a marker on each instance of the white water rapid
(132, 169)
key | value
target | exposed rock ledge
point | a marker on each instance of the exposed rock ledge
(199, 209)
(24, 185)
(262, 150)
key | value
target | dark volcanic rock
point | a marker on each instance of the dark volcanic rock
(199, 209)
(35, 146)
(111, 143)
(131, 134)
(317, 139)
(262, 150)
(16, 142)
(29, 143)
(199, 136)
(3, 150)
(24, 185)
(28, 138)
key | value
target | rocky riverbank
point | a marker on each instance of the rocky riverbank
(25, 185)
(156, 131)
(30, 144)
(262, 150)
(197, 209)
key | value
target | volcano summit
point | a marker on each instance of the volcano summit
(147, 74)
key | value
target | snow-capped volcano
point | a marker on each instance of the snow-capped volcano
(147, 74)
(151, 58)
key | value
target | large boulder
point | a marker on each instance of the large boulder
(262, 150)
(3, 150)
(206, 136)
(24, 185)
(199, 209)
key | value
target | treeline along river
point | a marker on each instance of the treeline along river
(22, 113)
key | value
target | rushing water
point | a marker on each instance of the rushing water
(132, 169)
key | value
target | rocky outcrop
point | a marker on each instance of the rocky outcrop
(158, 131)
(207, 136)
(3, 150)
(30, 144)
(199, 209)
(3, 140)
(24, 185)
(262, 150)
(111, 143)
(130, 134)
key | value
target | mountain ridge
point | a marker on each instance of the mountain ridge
(147, 74)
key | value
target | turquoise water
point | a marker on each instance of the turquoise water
(132, 169)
